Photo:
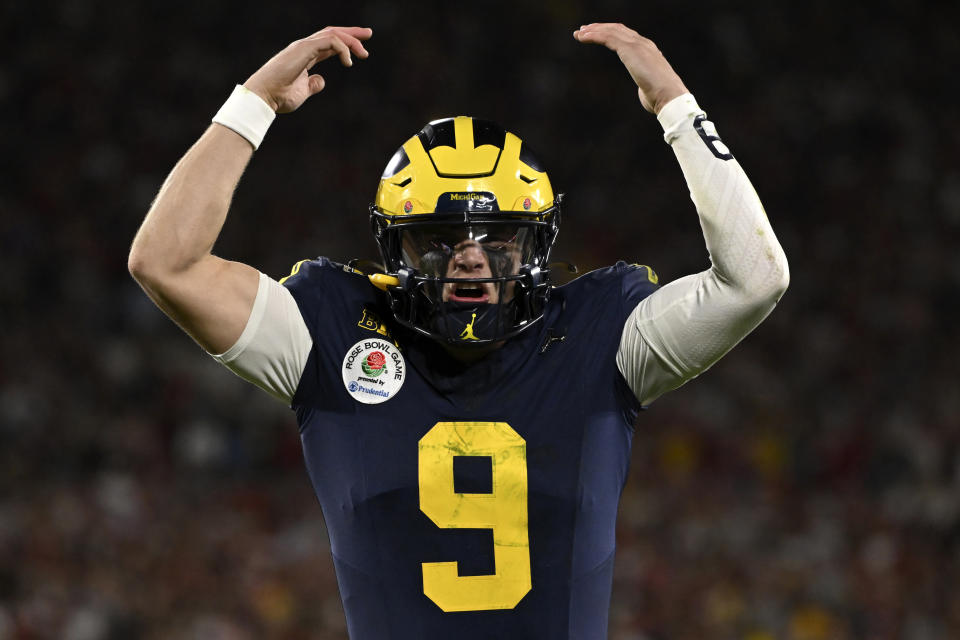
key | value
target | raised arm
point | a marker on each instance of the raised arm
(209, 297)
(683, 328)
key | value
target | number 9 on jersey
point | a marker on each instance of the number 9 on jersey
(504, 510)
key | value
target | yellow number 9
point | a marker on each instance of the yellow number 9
(504, 511)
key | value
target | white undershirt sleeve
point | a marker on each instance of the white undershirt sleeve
(684, 327)
(273, 348)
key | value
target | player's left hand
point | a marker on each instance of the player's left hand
(657, 82)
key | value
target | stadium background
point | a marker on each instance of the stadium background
(806, 488)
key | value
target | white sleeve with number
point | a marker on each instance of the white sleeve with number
(684, 327)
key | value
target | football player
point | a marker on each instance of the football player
(466, 425)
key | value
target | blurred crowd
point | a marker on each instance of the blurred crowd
(805, 488)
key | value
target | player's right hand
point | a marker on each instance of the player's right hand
(285, 81)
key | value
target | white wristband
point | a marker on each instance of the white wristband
(246, 113)
(678, 113)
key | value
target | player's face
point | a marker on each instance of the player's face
(473, 252)
(469, 260)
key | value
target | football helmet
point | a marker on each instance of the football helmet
(465, 217)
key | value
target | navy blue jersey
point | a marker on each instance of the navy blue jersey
(468, 501)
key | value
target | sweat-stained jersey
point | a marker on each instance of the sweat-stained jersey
(468, 501)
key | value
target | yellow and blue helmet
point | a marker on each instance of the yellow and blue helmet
(465, 217)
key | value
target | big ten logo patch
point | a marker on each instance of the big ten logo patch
(371, 322)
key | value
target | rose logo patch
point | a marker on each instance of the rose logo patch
(373, 364)
(373, 371)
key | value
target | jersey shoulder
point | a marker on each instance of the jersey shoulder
(313, 271)
(598, 303)
(627, 283)
(327, 292)
(322, 277)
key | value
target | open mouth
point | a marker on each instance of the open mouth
(464, 292)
